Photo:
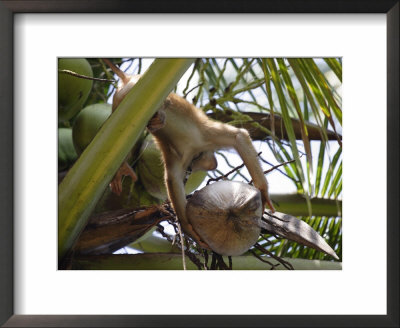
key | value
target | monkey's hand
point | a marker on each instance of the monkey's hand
(157, 121)
(116, 183)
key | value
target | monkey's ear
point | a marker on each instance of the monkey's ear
(205, 162)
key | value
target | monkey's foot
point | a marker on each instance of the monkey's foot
(157, 121)
(266, 200)
(271, 207)
(116, 183)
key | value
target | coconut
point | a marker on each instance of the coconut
(73, 91)
(227, 216)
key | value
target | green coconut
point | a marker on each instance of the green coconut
(88, 123)
(66, 151)
(72, 91)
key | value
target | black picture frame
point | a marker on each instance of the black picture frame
(7, 11)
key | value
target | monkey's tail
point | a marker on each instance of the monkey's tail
(117, 70)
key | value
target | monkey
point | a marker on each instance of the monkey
(187, 139)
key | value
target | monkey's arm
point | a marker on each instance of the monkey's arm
(246, 150)
(174, 175)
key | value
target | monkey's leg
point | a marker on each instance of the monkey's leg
(176, 193)
(239, 139)
(116, 183)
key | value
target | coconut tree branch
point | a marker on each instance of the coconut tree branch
(66, 71)
(265, 120)
(110, 231)
(173, 261)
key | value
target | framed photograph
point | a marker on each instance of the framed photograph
(86, 241)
